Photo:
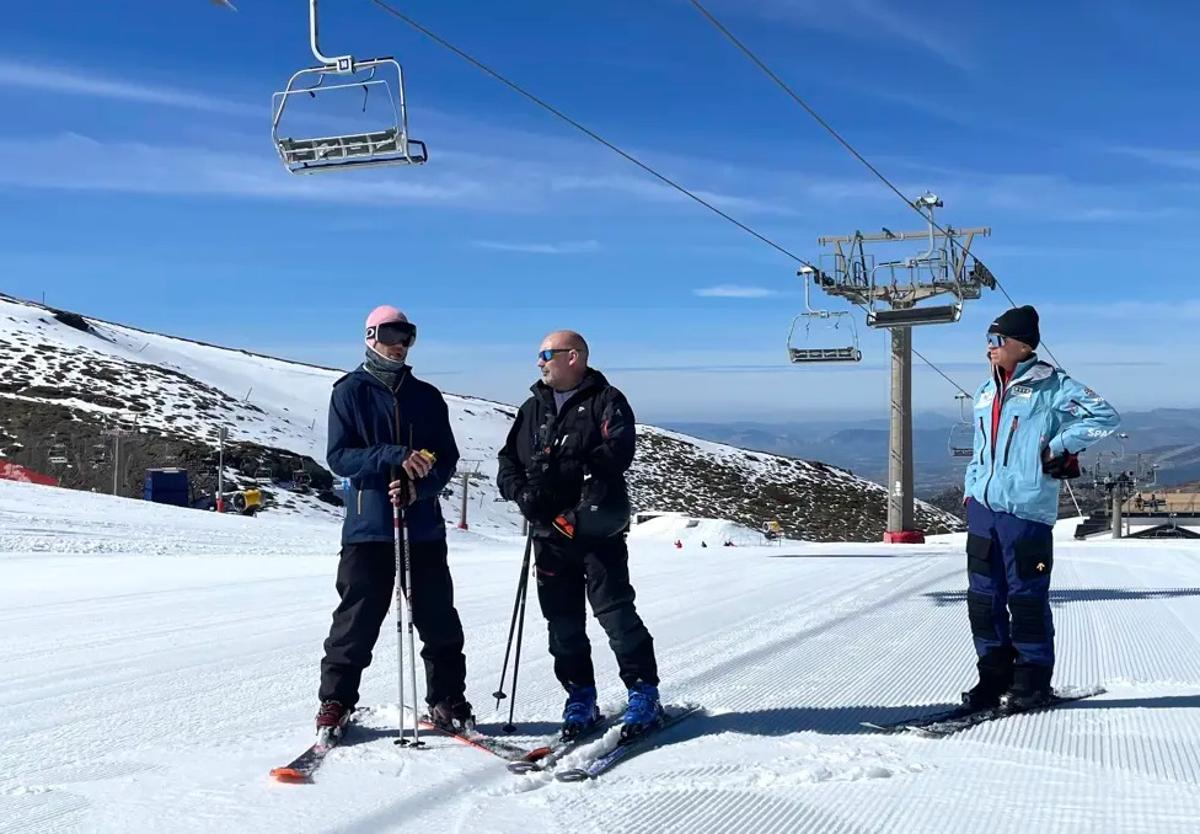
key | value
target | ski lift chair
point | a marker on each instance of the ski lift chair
(57, 454)
(962, 434)
(911, 314)
(937, 261)
(825, 322)
(389, 145)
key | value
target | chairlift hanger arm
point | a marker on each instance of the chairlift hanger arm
(343, 63)
(898, 236)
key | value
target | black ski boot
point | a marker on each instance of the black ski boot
(995, 678)
(1030, 689)
(454, 715)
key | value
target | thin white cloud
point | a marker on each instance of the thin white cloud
(873, 20)
(570, 247)
(77, 163)
(734, 291)
(651, 190)
(1166, 157)
(47, 78)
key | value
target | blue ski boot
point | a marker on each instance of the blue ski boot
(580, 712)
(643, 713)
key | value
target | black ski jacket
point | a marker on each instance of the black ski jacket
(584, 450)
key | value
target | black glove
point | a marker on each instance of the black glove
(1062, 467)
(539, 476)
(534, 505)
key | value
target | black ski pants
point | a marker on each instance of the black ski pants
(365, 582)
(567, 570)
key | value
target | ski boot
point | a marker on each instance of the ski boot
(643, 713)
(332, 718)
(995, 678)
(580, 712)
(453, 715)
(1030, 689)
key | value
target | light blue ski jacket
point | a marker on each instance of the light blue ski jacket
(1041, 407)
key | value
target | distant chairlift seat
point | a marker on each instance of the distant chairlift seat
(962, 434)
(962, 440)
(820, 328)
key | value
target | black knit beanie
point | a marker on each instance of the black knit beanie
(1020, 323)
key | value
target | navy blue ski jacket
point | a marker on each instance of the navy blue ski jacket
(363, 447)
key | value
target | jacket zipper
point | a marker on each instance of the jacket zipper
(360, 502)
(1083, 408)
(991, 472)
(984, 435)
(1011, 432)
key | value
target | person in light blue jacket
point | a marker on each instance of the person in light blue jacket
(1031, 423)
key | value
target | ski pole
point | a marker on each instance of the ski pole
(408, 598)
(512, 626)
(398, 536)
(512, 703)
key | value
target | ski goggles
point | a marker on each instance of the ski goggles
(548, 354)
(393, 333)
(996, 340)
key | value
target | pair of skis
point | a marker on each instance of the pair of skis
(303, 767)
(607, 760)
(544, 758)
(955, 720)
(520, 759)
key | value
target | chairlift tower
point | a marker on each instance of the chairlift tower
(896, 296)
(469, 470)
(116, 432)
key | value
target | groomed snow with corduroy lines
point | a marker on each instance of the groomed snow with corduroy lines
(157, 662)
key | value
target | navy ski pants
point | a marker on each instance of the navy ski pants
(1009, 560)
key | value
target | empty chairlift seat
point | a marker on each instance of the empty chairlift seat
(386, 144)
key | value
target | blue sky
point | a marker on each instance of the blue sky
(140, 185)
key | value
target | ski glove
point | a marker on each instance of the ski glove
(1062, 467)
(535, 505)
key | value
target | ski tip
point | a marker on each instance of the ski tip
(290, 775)
(522, 766)
(879, 728)
(572, 775)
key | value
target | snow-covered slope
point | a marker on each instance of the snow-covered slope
(67, 377)
(157, 662)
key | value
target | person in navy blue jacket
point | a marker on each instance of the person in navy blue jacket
(381, 419)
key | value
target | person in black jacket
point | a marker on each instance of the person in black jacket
(564, 464)
(381, 418)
